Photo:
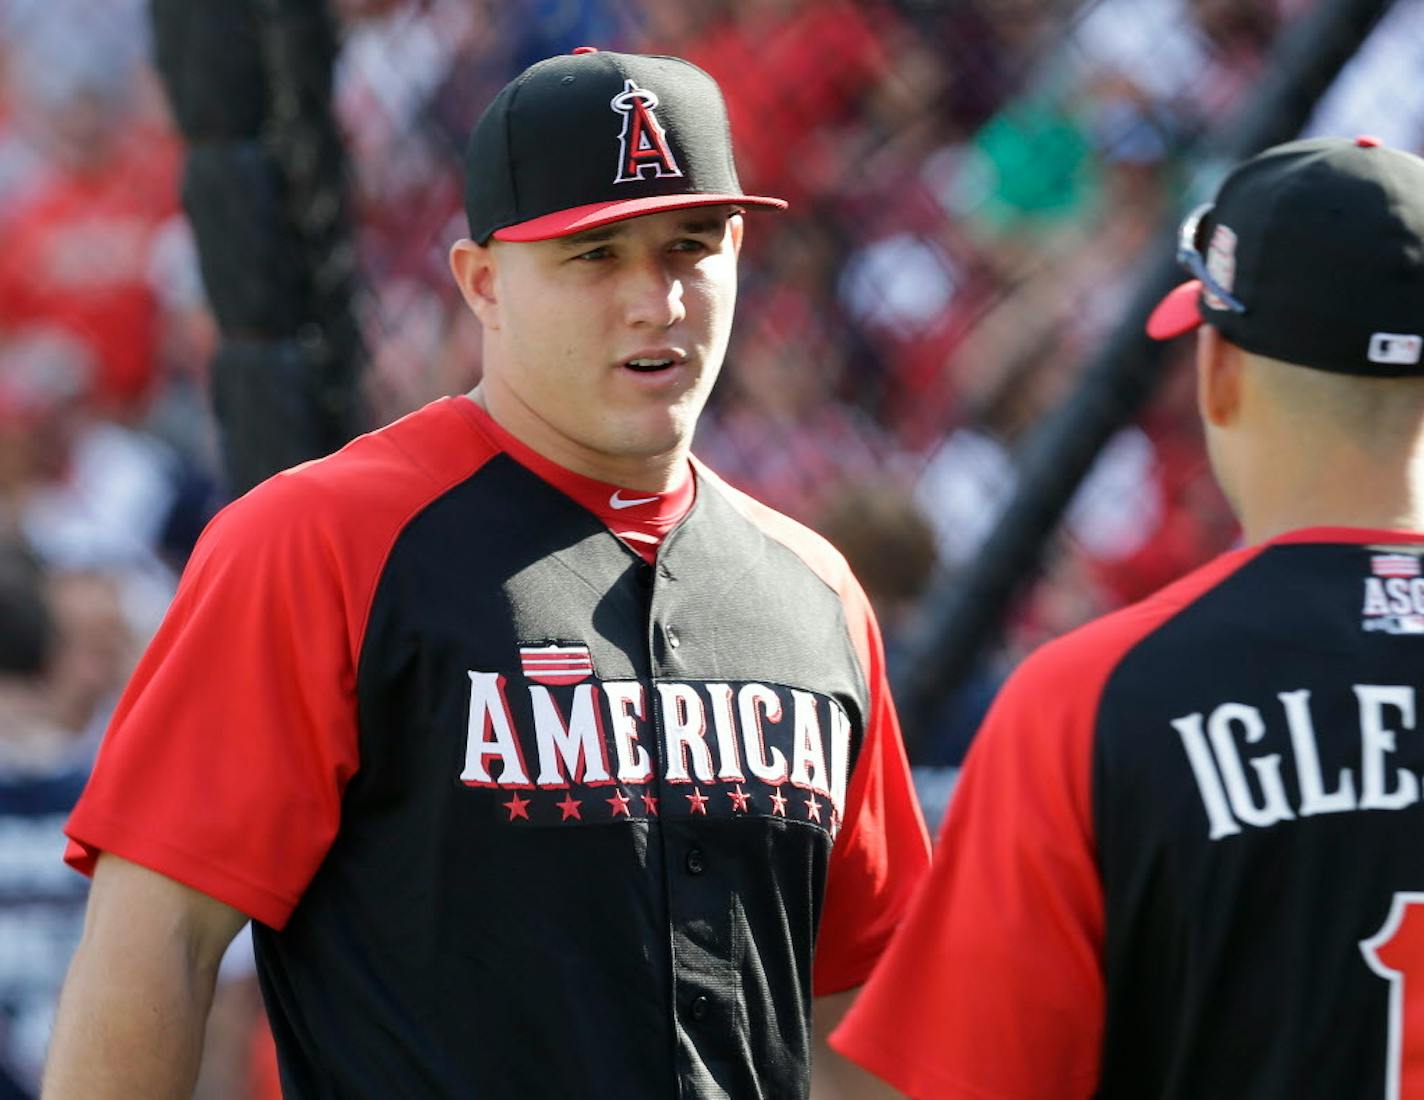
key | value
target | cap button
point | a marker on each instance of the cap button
(585, 49)
(1366, 141)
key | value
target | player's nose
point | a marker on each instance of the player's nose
(653, 294)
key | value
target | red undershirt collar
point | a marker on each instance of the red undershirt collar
(640, 518)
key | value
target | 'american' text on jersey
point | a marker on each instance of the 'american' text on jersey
(710, 732)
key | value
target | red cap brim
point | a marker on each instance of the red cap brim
(1177, 313)
(576, 219)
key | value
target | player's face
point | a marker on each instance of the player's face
(601, 347)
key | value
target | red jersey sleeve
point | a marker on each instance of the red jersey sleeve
(992, 988)
(882, 850)
(226, 759)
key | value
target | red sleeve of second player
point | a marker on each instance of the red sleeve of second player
(992, 988)
(225, 761)
(882, 851)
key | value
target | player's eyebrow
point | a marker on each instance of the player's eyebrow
(597, 235)
(704, 225)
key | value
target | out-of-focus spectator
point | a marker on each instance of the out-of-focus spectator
(779, 428)
(95, 654)
(77, 248)
(890, 546)
(420, 349)
(85, 491)
(887, 541)
(41, 907)
(30, 737)
(801, 78)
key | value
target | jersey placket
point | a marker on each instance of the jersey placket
(703, 966)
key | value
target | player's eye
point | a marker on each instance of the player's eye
(690, 244)
(602, 252)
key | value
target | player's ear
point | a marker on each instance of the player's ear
(1219, 367)
(473, 267)
(737, 224)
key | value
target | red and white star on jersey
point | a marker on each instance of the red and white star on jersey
(517, 807)
(742, 801)
(570, 805)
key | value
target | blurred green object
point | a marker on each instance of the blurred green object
(1036, 164)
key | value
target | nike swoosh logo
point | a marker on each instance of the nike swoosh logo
(616, 501)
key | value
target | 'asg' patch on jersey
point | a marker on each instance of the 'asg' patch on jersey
(1394, 594)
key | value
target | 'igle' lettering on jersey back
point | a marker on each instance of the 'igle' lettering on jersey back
(1244, 784)
(1214, 744)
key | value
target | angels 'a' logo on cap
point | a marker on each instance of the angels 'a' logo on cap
(1221, 263)
(642, 143)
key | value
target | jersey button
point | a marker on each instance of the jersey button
(700, 1007)
(672, 638)
(695, 862)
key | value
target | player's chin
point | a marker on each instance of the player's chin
(679, 394)
(651, 434)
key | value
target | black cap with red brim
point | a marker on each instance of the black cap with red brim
(1312, 254)
(585, 139)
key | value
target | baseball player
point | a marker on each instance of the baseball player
(1184, 860)
(545, 763)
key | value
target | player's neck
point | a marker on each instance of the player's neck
(652, 474)
(1349, 495)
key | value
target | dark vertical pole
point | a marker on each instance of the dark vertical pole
(264, 188)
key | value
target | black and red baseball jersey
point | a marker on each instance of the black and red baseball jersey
(1186, 857)
(519, 812)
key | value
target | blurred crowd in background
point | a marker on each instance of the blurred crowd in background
(974, 185)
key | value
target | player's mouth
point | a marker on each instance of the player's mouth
(655, 361)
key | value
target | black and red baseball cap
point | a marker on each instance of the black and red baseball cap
(593, 137)
(1312, 253)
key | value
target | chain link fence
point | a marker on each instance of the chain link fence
(976, 186)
